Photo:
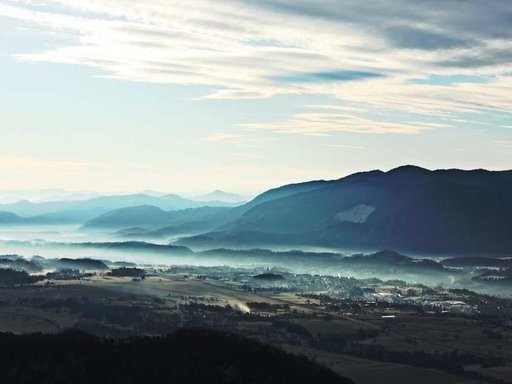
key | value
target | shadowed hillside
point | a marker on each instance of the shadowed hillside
(408, 209)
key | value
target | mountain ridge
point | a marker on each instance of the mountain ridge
(80, 211)
(413, 209)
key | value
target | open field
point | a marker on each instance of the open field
(364, 371)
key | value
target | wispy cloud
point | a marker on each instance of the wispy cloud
(321, 123)
(25, 163)
(503, 143)
(353, 51)
(242, 45)
(239, 140)
(326, 77)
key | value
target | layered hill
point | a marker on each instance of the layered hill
(151, 221)
(79, 211)
(8, 218)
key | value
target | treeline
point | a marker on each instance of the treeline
(10, 277)
(128, 272)
(186, 356)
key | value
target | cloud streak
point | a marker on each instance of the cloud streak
(321, 123)
(370, 54)
(26, 163)
(326, 77)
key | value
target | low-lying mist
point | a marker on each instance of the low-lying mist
(68, 242)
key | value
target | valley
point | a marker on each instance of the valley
(398, 274)
(358, 327)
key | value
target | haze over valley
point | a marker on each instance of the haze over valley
(408, 223)
(255, 192)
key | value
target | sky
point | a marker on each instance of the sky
(245, 95)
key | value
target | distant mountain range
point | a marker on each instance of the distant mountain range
(79, 211)
(219, 195)
(149, 221)
(408, 209)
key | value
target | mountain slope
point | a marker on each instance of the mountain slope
(150, 221)
(7, 218)
(139, 216)
(408, 208)
(204, 218)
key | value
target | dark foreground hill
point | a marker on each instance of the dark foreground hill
(406, 209)
(187, 356)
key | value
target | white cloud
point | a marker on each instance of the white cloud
(245, 50)
(239, 140)
(503, 143)
(321, 123)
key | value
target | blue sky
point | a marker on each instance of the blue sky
(125, 95)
